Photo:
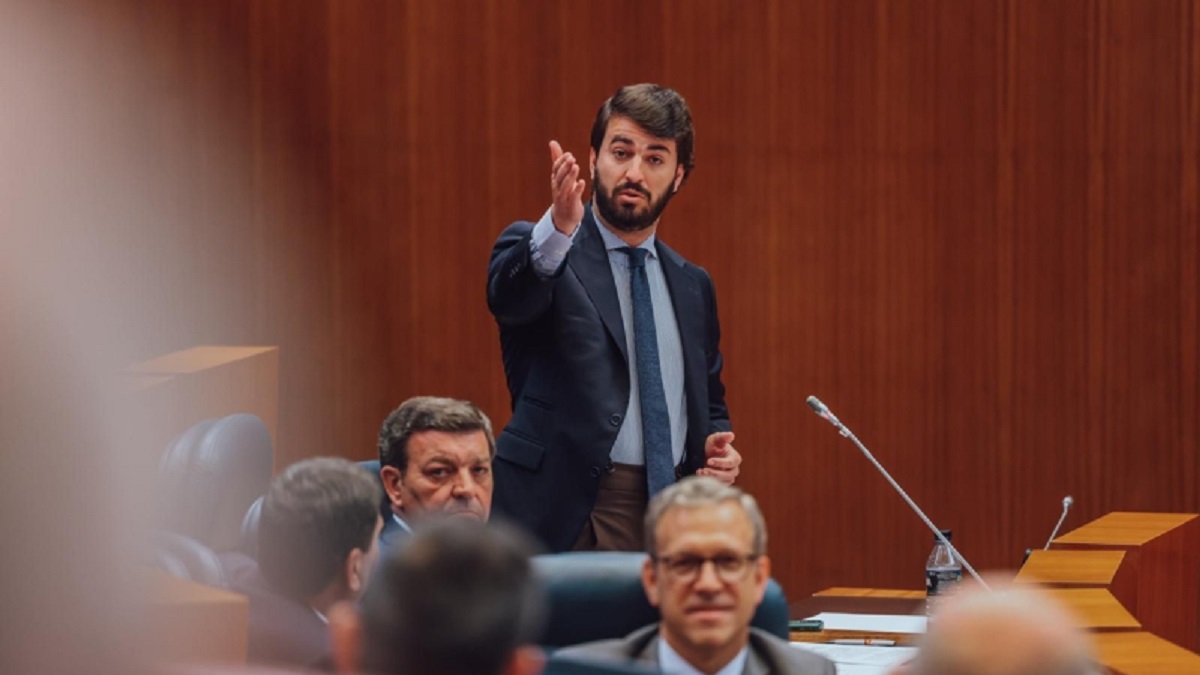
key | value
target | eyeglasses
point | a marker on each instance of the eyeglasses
(730, 568)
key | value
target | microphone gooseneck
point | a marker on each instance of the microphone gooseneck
(1067, 502)
(823, 411)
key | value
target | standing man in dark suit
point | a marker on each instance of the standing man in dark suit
(706, 571)
(610, 339)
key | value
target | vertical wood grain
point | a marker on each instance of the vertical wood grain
(970, 226)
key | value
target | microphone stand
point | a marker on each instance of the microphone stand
(823, 411)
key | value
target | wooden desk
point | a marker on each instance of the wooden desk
(191, 623)
(858, 601)
(1141, 653)
(1120, 644)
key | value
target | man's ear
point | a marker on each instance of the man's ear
(680, 172)
(391, 478)
(592, 163)
(762, 574)
(525, 660)
(356, 576)
(345, 636)
(650, 580)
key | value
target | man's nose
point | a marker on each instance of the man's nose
(464, 484)
(633, 171)
(707, 578)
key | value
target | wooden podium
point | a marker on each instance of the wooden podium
(1149, 563)
(194, 624)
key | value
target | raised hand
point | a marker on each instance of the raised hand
(566, 190)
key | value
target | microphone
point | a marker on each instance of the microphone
(1068, 501)
(823, 411)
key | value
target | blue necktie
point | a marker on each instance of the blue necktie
(656, 423)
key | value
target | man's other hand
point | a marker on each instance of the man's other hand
(722, 459)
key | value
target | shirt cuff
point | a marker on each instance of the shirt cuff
(548, 247)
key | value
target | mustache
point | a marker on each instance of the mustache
(634, 187)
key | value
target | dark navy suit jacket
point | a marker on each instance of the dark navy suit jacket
(283, 631)
(564, 351)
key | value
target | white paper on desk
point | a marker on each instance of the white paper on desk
(856, 669)
(872, 623)
(859, 655)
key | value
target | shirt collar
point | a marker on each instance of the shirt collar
(399, 521)
(671, 663)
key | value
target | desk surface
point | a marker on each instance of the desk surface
(1120, 645)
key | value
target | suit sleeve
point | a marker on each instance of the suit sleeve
(718, 413)
(517, 294)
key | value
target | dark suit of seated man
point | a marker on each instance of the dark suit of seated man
(435, 456)
(317, 545)
(706, 571)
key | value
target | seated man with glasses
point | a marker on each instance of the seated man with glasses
(706, 572)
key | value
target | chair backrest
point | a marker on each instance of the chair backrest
(248, 540)
(187, 558)
(209, 476)
(599, 595)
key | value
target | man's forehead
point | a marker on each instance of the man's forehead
(705, 524)
(431, 443)
(624, 129)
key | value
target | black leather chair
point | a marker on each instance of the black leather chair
(210, 475)
(249, 528)
(599, 595)
(187, 558)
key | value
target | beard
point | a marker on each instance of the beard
(628, 217)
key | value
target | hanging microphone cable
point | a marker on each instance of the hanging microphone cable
(823, 411)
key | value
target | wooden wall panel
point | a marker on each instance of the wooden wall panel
(969, 226)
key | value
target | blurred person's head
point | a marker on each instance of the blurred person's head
(319, 530)
(707, 568)
(1009, 630)
(435, 456)
(458, 599)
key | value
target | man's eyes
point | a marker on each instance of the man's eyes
(692, 562)
(621, 153)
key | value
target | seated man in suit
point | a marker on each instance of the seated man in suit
(458, 598)
(435, 456)
(317, 545)
(1005, 631)
(706, 571)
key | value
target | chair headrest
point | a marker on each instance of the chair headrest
(210, 474)
(597, 595)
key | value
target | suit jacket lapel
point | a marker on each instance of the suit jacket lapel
(755, 665)
(648, 652)
(589, 260)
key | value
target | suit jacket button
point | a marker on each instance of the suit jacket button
(614, 419)
(596, 471)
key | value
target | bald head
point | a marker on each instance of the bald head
(1007, 631)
